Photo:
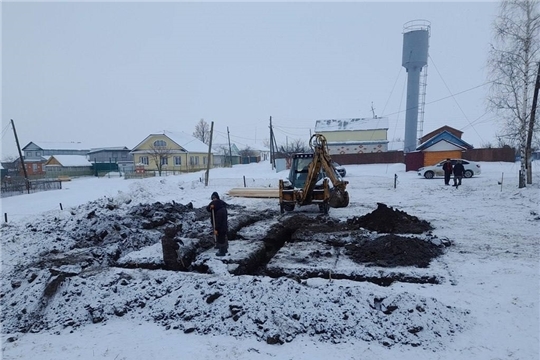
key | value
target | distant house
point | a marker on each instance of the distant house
(253, 152)
(39, 149)
(354, 136)
(225, 155)
(110, 155)
(442, 143)
(3, 172)
(12, 167)
(67, 165)
(170, 151)
(111, 159)
(36, 153)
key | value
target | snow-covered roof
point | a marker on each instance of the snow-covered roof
(72, 160)
(67, 145)
(113, 148)
(188, 142)
(353, 124)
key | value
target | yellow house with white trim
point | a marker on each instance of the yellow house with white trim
(354, 136)
(171, 152)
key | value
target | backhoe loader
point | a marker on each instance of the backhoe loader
(308, 181)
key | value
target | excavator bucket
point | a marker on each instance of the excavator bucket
(338, 198)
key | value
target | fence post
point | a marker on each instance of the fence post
(61, 208)
(245, 181)
(395, 180)
(5, 217)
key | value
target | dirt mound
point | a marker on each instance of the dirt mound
(393, 250)
(384, 219)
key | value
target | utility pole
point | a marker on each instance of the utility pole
(230, 151)
(272, 150)
(21, 157)
(209, 154)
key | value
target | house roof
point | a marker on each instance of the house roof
(450, 129)
(187, 142)
(70, 160)
(216, 148)
(114, 148)
(353, 124)
(67, 145)
(445, 136)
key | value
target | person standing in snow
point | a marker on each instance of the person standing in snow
(447, 168)
(459, 171)
(218, 218)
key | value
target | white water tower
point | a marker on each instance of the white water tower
(415, 55)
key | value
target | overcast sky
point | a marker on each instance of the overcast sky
(109, 74)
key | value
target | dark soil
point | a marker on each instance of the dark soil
(389, 250)
(387, 220)
(393, 250)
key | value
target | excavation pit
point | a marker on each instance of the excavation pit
(304, 246)
(106, 262)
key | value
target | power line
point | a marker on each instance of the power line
(454, 98)
(443, 98)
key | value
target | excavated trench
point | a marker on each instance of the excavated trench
(375, 247)
(313, 245)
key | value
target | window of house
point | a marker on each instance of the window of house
(34, 167)
(177, 161)
(29, 153)
(164, 160)
(143, 160)
(38, 153)
(204, 160)
(160, 143)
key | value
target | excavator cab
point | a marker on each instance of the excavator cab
(309, 180)
(300, 169)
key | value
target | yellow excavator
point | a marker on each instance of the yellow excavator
(308, 181)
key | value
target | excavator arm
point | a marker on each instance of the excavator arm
(339, 197)
(326, 197)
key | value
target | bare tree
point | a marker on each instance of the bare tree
(223, 151)
(160, 156)
(202, 131)
(9, 158)
(513, 57)
(247, 152)
(293, 147)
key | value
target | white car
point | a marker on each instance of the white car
(429, 172)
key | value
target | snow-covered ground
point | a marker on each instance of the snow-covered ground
(492, 268)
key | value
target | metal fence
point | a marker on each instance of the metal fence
(19, 186)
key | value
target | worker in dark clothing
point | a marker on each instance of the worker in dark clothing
(170, 247)
(447, 168)
(218, 208)
(459, 171)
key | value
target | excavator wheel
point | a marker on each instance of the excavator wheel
(338, 198)
(286, 207)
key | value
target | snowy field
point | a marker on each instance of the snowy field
(493, 266)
